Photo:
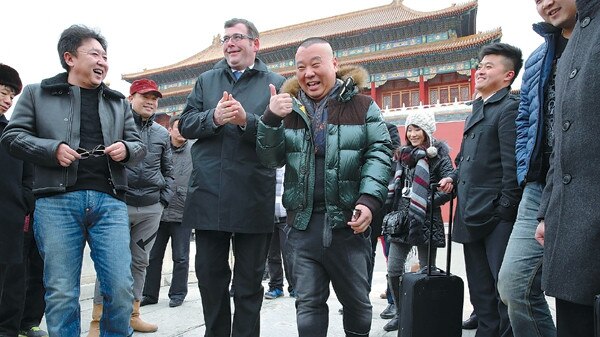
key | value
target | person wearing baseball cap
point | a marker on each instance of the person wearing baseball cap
(149, 190)
(144, 86)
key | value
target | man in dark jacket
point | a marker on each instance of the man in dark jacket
(21, 266)
(520, 278)
(79, 134)
(571, 267)
(171, 227)
(486, 184)
(148, 193)
(230, 192)
(337, 153)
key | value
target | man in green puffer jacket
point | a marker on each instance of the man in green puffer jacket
(337, 151)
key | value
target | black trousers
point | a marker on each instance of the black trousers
(214, 274)
(483, 259)
(180, 251)
(574, 320)
(276, 263)
(22, 291)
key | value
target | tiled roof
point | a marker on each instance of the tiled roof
(378, 17)
(443, 46)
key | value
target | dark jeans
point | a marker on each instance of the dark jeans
(275, 260)
(319, 256)
(483, 259)
(214, 274)
(22, 291)
(180, 248)
(574, 320)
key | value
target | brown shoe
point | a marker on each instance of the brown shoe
(136, 322)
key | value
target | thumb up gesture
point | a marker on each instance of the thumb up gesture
(280, 104)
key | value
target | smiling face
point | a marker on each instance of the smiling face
(240, 54)
(559, 13)
(315, 69)
(492, 75)
(415, 135)
(144, 105)
(88, 66)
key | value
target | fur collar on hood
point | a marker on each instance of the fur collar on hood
(442, 147)
(358, 73)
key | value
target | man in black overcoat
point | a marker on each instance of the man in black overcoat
(486, 184)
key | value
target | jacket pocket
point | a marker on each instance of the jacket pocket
(479, 207)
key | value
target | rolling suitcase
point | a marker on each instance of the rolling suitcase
(431, 301)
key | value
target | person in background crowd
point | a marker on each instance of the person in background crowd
(148, 193)
(486, 184)
(278, 241)
(390, 311)
(330, 199)
(570, 226)
(230, 192)
(520, 277)
(80, 135)
(421, 162)
(21, 267)
(171, 227)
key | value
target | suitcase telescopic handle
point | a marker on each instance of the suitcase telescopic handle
(433, 187)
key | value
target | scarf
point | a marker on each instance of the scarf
(419, 191)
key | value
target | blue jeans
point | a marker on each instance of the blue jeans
(320, 255)
(62, 225)
(520, 278)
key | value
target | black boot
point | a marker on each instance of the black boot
(390, 311)
(394, 283)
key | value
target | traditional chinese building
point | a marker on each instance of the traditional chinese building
(414, 58)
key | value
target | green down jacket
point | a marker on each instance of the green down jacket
(357, 158)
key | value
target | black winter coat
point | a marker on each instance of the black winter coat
(440, 167)
(16, 201)
(229, 189)
(486, 179)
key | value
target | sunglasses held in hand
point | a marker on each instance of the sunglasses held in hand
(97, 151)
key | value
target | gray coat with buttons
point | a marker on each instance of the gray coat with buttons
(572, 194)
(486, 173)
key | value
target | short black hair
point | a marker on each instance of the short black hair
(72, 37)
(252, 31)
(174, 118)
(313, 40)
(512, 54)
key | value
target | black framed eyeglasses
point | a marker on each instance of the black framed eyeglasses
(97, 151)
(237, 37)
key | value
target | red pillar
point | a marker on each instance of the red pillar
(373, 92)
(472, 93)
(422, 95)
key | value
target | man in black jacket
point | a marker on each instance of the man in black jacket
(21, 266)
(486, 184)
(79, 134)
(230, 192)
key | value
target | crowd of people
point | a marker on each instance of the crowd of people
(302, 175)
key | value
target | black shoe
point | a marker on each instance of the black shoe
(471, 323)
(389, 312)
(175, 302)
(392, 325)
(147, 300)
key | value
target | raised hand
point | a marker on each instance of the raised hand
(280, 104)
